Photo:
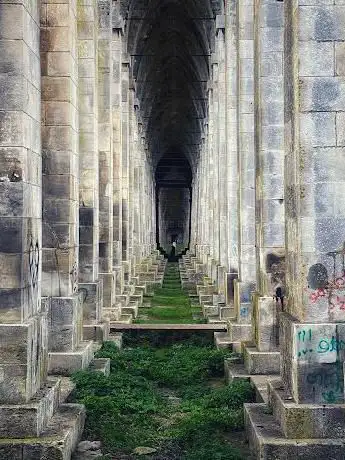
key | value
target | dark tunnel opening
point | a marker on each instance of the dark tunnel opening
(170, 43)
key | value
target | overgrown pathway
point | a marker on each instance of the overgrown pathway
(169, 304)
(165, 399)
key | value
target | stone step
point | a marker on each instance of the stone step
(31, 418)
(66, 388)
(65, 363)
(314, 420)
(100, 365)
(239, 332)
(131, 309)
(226, 313)
(210, 310)
(116, 338)
(267, 441)
(124, 319)
(57, 442)
(98, 332)
(222, 340)
(261, 362)
(236, 371)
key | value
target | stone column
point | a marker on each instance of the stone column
(245, 101)
(125, 163)
(23, 318)
(105, 149)
(89, 282)
(59, 67)
(309, 400)
(222, 158)
(232, 151)
(117, 152)
(269, 169)
(312, 335)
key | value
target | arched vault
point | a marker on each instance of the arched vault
(170, 43)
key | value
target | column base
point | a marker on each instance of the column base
(96, 332)
(268, 442)
(57, 442)
(261, 362)
(65, 363)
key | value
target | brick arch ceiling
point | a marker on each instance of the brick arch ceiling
(170, 43)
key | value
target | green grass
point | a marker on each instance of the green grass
(170, 303)
(136, 405)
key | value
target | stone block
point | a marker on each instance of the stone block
(65, 363)
(265, 322)
(261, 362)
(30, 419)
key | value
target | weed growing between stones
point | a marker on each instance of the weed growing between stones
(170, 399)
(170, 304)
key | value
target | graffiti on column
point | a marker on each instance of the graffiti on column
(34, 261)
(330, 288)
(323, 351)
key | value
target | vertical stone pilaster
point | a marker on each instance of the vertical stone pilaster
(125, 159)
(269, 170)
(23, 319)
(315, 208)
(59, 67)
(105, 144)
(88, 142)
(245, 101)
(117, 149)
(232, 147)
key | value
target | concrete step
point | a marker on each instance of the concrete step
(58, 441)
(210, 310)
(239, 332)
(116, 338)
(314, 420)
(222, 340)
(267, 441)
(97, 332)
(261, 362)
(100, 365)
(65, 363)
(66, 388)
(124, 319)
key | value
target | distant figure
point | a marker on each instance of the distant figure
(173, 249)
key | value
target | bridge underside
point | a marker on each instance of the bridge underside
(126, 125)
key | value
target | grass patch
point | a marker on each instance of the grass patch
(170, 303)
(162, 398)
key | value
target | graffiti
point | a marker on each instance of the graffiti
(324, 344)
(74, 277)
(244, 311)
(34, 263)
(328, 288)
(304, 336)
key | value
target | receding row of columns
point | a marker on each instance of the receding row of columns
(283, 276)
(77, 196)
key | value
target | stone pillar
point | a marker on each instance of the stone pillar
(23, 318)
(222, 159)
(245, 101)
(232, 151)
(105, 148)
(315, 209)
(125, 162)
(117, 152)
(308, 402)
(269, 169)
(89, 282)
(59, 65)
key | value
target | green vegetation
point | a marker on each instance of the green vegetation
(171, 399)
(170, 304)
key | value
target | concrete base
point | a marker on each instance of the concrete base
(30, 419)
(57, 442)
(239, 332)
(97, 332)
(65, 363)
(100, 365)
(301, 421)
(261, 362)
(268, 442)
